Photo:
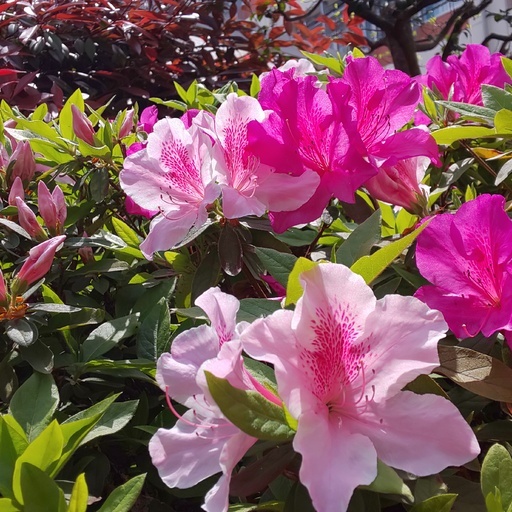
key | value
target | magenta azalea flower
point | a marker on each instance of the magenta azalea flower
(383, 102)
(341, 361)
(203, 442)
(310, 129)
(249, 187)
(467, 258)
(172, 174)
(460, 78)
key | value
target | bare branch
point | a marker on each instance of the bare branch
(471, 10)
(416, 7)
(360, 8)
(497, 37)
(423, 46)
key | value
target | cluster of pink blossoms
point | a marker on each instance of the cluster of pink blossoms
(341, 360)
(289, 153)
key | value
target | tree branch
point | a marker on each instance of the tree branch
(471, 10)
(416, 7)
(360, 8)
(423, 46)
(498, 37)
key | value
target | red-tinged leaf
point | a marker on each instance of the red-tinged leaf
(479, 373)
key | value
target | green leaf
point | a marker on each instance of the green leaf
(12, 444)
(249, 410)
(479, 373)
(278, 264)
(370, 267)
(255, 86)
(505, 170)
(270, 506)
(360, 241)
(207, 274)
(108, 335)
(124, 497)
(40, 492)
(496, 98)
(21, 331)
(441, 503)
(497, 474)
(493, 501)
(470, 111)
(388, 482)
(66, 116)
(252, 309)
(39, 356)
(154, 332)
(503, 122)
(329, 62)
(7, 505)
(230, 250)
(43, 452)
(34, 403)
(98, 184)
(451, 134)
(294, 289)
(79, 495)
(126, 233)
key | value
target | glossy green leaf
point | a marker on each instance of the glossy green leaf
(441, 503)
(21, 331)
(278, 264)
(126, 233)
(249, 410)
(503, 122)
(79, 495)
(43, 452)
(230, 250)
(388, 482)
(451, 134)
(294, 289)
(12, 444)
(370, 267)
(8, 505)
(252, 309)
(497, 474)
(40, 492)
(360, 241)
(34, 403)
(124, 497)
(496, 98)
(66, 116)
(39, 356)
(108, 335)
(154, 333)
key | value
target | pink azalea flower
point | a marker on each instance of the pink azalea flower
(38, 263)
(383, 102)
(148, 118)
(203, 442)
(460, 78)
(248, 186)
(172, 175)
(400, 184)
(310, 130)
(52, 208)
(341, 360)
(467, 258)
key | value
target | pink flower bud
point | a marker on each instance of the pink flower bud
(148, 118)
(38, 263)
(127, 125)
(82, 126)
(28, 221)
(4, 298)
(52, 208)
(16, 191)
(24, 163)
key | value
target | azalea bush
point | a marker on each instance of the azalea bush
(295, 299)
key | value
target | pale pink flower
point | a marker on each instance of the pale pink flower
(173, 175)
(38, 263)
(82, 126)
(248, 186)
(52, 208)
(400, 184)
(16, 191)
(342, 359)
(28, 220)
(468, 259)
(203, 442)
